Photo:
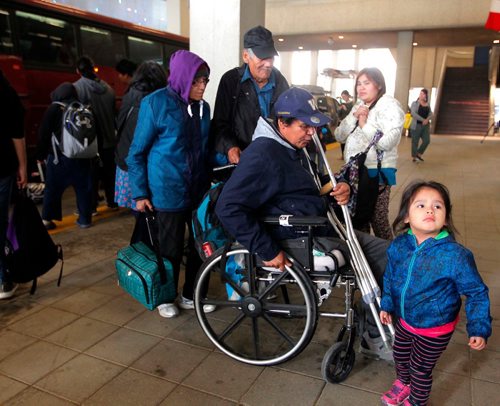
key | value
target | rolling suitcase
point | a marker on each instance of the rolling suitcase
(144, 274)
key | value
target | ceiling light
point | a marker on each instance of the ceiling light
(415, 44)
(281, 39)
(341, 37)
(354, 46)
(301, 47)
(496, 41)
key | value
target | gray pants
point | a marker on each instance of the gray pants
(420, 133)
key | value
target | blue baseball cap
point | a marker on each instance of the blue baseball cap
(299, 103)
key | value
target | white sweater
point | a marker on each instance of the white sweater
(388, 117)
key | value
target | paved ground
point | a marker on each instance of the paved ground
(87, 342)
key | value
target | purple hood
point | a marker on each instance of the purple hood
(183, 68)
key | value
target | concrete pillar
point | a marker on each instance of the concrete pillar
(216, 34)
(403, 72)
(314, 68)
(286, 65)
(430, 67)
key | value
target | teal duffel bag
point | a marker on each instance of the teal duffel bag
(144, 275)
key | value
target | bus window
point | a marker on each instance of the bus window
(6, 45)
(104, 47)
(46, 40)
(144, 50)
(169, 50)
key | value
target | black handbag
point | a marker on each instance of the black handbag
(364, 189)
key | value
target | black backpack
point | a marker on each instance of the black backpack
(30, 251)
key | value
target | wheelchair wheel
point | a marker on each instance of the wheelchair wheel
(338, 362)
(263, 317)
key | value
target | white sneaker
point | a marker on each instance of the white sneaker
(188, 304)
(168, 310)
(7, 289)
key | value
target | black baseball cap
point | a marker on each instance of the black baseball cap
(299, 103)
(260, 41)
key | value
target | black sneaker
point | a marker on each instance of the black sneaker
(420, 158)
(7, 289)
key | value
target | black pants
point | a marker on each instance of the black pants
(104, 172)
(171, 229)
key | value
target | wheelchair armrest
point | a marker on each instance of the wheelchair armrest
(289, 220)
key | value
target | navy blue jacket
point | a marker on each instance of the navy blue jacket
(269, 180)
(423, 284)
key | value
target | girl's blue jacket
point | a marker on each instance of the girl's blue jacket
(423, 284)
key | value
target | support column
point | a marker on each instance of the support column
(313, 80)
(403, 72)
(216, 34)
(286, 65)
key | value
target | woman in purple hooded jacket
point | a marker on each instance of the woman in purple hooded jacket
(169, 164)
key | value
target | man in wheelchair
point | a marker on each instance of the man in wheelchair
(274, 178)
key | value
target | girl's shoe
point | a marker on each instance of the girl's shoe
(398, 393)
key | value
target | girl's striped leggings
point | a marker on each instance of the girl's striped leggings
(415, 357)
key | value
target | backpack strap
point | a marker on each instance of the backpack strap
(54, 140)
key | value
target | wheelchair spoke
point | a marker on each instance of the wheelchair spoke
(256, 338)
(279, 330)
(229, 329)
(227, 279)
(272, 286)
(252, 276)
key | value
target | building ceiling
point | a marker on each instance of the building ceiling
(449, 37)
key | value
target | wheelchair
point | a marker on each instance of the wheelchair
(265, 316)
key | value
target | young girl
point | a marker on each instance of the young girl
(427, 271)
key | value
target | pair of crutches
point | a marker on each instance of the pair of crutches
(368, 286)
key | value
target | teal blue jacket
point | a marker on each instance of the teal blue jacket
(423, 284)
(169, 159)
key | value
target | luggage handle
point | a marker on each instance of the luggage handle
(150, 218)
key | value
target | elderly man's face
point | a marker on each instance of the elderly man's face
(260, 69)
(297, 133)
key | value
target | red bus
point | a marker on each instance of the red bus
(40, 43)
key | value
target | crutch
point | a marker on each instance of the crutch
(368, 286)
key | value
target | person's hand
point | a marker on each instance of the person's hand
(477, 343)
(343, 107)
(142, 204)
(385, 318)
(233, 155)
(341, 193)
(22, 177)
(361, 111)
(425, 122)
(362, 120)
(279, 261)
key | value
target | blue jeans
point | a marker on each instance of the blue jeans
(5, 190)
